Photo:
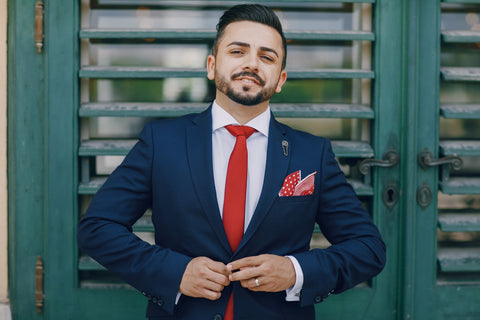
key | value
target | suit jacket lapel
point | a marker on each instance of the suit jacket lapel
(199, 146)
(275, 172)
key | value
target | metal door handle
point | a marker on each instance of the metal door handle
(390, 159)
(426, 159)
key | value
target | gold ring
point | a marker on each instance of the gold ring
(257, 283)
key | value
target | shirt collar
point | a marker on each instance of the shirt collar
(221, 118)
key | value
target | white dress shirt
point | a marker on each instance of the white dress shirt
(222, 146)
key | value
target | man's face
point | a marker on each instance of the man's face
(247, 68)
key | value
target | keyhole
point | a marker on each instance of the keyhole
(390, 196)
(424, 196)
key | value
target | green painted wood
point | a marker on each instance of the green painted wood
(354, 111)
(192, 34)
(375, 300)
(388, 132)
(464, 36)
(103, 147)
(466, 297)
(92, 186)
(361, 189)
(459, 259)
(421, 122)
(461, 1)
(101, 72)
(334, 308)
(26, 125)
(86, 263)
(461, 74)
(60, 149)
(139, 109)
(283, 110)
(109, 282)
(467, 148)
(460, 111)
(459, 222)
(225, 3)
(352, 149)
(462, 185)
(110, 303)
(161, 34)
(106, 147)
(144, 224)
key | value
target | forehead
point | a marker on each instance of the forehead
(253, 33)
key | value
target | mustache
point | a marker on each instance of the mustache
(249, 74)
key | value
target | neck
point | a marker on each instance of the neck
(240, 112)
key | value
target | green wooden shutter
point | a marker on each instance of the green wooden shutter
(349, 111)
(459, 203)
(110, 66)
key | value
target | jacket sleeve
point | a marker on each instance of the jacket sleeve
(105, 232)
(357, 252)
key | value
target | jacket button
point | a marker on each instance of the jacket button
(217, 317)
(318, 299)
(160, 302)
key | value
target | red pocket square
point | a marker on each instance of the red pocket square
(293, 185)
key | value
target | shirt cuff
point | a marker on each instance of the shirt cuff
(293, 293)
(179, 294)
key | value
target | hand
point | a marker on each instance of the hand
(273, 273)
(204, 278)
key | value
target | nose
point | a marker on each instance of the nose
(251, 62)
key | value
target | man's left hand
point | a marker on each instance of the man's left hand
(265, 272)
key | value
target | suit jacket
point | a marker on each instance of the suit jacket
(170, 170)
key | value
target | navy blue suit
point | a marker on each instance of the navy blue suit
(170, 170)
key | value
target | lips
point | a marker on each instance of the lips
(248, 77)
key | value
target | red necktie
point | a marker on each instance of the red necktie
(235, 193)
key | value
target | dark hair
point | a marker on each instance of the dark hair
(254, 13)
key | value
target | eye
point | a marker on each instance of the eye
(268, 58)
(236, 52)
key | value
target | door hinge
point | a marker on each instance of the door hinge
(39, 26)
(39, 296)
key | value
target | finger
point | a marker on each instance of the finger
(218, 267)
(210, 295)
(213, 286)
(247, 262)
(214, 271)
(199, 280)
(245, 274)
(219, 275)
(251, 284)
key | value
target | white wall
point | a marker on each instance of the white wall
(3, 159)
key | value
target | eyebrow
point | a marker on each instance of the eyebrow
(244, 44)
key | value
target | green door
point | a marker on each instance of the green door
(442, 230)
(385, 80)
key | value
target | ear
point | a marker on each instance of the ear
(211, 67)
(281, 81)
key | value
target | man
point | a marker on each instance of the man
(200, 266)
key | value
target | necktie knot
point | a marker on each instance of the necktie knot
(236, 131)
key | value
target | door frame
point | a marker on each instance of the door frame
(37, 153)
(26, 125)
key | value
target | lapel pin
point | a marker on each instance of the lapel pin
(285, 147)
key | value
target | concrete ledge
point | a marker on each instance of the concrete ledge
(5, 312)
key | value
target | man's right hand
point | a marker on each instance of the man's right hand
(204, 278)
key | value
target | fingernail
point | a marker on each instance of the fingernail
(229, 267)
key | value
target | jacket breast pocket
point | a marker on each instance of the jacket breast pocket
(310, 197)
(294, 213)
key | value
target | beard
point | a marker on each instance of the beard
(244, 96)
